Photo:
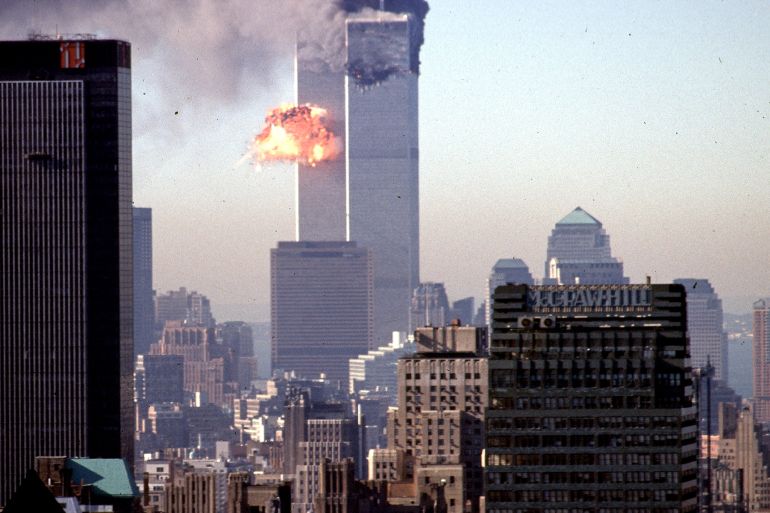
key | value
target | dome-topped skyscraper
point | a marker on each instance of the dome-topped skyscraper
(579, 252)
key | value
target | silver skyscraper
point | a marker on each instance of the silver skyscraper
(383, 161)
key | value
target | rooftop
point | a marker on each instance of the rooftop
(579, 216)
(511, 263)
(108, 476)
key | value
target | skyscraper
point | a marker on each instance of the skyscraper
(579, 252)
(430, 306)
(708, 340)
(761, 358)
(144, 309)
(66, 262)
(321, 307)
(383, 160)
(321, 189)
(590, 400)
(505, 271)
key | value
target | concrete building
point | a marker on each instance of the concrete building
(761, 357)
(328, 440)
(321, 307)
(144, 307)
(204, 362)
(66, 267)
(708, 340)
(579, 253)
(590, 400)
(191, 492)
(439, 422)
(382, 154)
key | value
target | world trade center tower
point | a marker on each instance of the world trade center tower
(383, 160)
(369, 194)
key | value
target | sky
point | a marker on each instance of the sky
(652, 116)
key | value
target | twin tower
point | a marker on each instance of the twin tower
(345, 284)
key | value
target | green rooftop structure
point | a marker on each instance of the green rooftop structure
(579, 216)
(109, 477)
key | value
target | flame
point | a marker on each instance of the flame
(295, 133)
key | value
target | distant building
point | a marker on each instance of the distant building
(579, 253)
(65, 272)
(321, 307)
(505, 270)
(430, 306)
(463, 309)
(761, 355)
(708, 340)
(376, 370)
(144, 308)
(587, 384)
(382, 156)
(205, 362)
(190, 308)
(159, 379)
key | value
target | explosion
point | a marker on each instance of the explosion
(295, 133)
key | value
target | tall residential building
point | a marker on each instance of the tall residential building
(761, 358)
(505, 271)
(383, 160)
(321, 307)
(144, 308)
(430, 305)
(190, 308)
(439, 423)
(590, 400)
(579, 253)
(66, 261)
(708, 340)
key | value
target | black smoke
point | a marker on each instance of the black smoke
(417, 8)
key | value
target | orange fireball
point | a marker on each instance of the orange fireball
(296, 133)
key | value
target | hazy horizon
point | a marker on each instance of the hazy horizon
(653, 117)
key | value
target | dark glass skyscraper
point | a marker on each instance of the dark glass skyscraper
(590, 401)
(144, 308)
(66, 261)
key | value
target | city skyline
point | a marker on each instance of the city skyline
(666, 124)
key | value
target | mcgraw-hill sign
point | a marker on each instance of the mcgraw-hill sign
(589, 297)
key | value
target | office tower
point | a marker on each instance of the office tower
(463, 309)
(590, 400)
(761, 356)
(328, 440)
(741, 471)
(190, 308)
(321, 307)
(430, 306)
(236, 337)
(206, 363)
(439, 422)
(159, 379)
(321, 187)
(505, 270)
(383, 160)
(66, 381)
(579, 253)
(144, 308)
(708, 340)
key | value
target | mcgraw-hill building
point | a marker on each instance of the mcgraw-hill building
(590, 401)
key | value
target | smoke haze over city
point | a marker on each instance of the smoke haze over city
(653, 117)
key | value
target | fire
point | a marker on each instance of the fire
(295, 133)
